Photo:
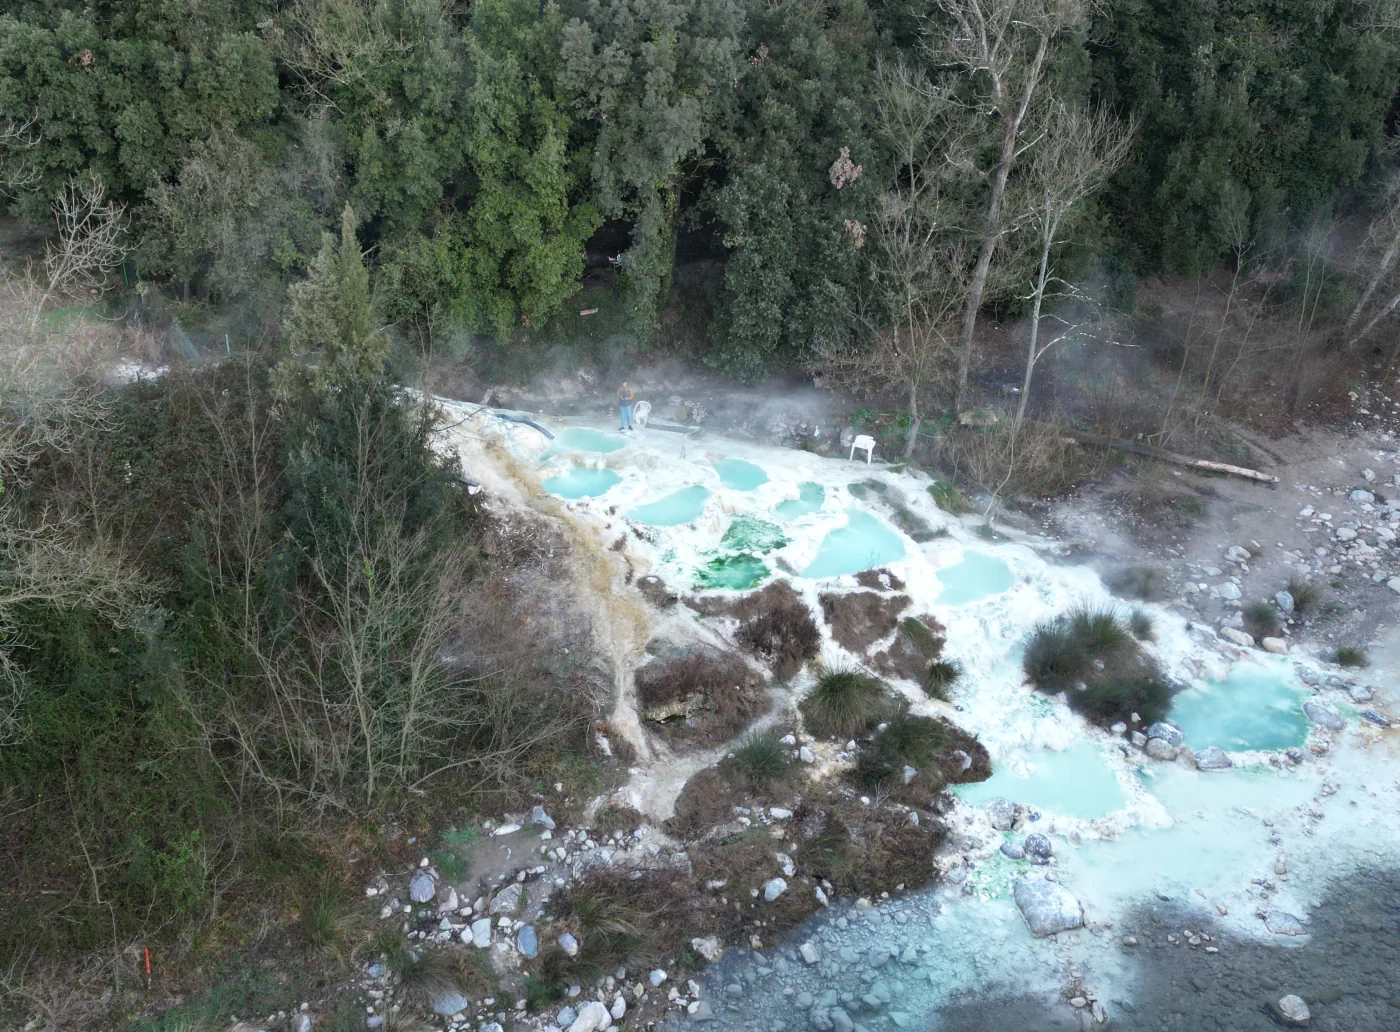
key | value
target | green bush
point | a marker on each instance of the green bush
(844, 702)
(1261, 619)
(939, 677)
(1091, 656)
(1143, 583)
(949, 498)
(762, 759)
(1350, 656)
(1144, 628)
(1306, 593)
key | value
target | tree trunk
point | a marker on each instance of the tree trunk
(1381, 313)
(1387, 260)
(914, 422)
(1046, 240)
(993, 231)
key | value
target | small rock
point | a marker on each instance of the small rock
(1371, 716)
(777, 813)
(505, 829)
(1345, 534)
(1139, 739)
(1038, 846)
(810, 953)
(1048, 907)
(656, 978)
(806, 755)
(1394, 584)
(1002, 813)
(528, 942)
(1284, 601)
(1212, 757)
(566, 1017)
(1275, 645)
(1281, 922)
(507, 901)
(618, 1009)
(1160, 749)
(422, 887)
(1291, 1010)
(1230, 591)
(1169, 733)
(1237, 637)
(480, 936)
(542, 819)
(449, 1003)
(1361, 692)
(1361, 496)
(709, 947)
(1012, 851)
(592, 1018)
(1237, 554)
(775, 888)
(1322, 716)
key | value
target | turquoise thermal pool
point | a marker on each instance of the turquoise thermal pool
(582, 482)
(578, 438)
(862, 544)
(1256, 707)
(683, 506)
(740, 475)
(978, 576)
(1073, 783)
(809, 500)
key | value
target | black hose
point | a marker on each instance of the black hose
(526, 421)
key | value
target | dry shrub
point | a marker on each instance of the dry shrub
(623, 918)
(1039, 460)
(919, 643)
(873, 580)
(776, 626)
(702, 697)
(655, 591)
(860, 618)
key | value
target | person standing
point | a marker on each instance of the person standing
(624, 405)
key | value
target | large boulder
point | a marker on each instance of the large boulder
(1169, 733)
(1212, 757)
(1048, 907)
(1002, 813)
(1240, 638)
(1291, 1010)
(1280, 922)
(592, 1018)
(1161, 749)
(1322, 716)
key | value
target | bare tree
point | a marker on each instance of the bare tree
(1384, 235)
(999, 49)
(918, 259)
(338, 44)
(17, 172)
(89, 243)
(1081, 150)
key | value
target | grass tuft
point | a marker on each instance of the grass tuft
(431, 974)
(327, 926)
(949, 498)
(763, 759)
(844, 702)
(1143, 583)
(390, 946)
(1096, 660)
(1144, 628)
(1350, 656)
(1306, 593)
(1261, 619)
(939, 677)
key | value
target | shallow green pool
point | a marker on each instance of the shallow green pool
(577, 438)
(683, 506)
(737, 572)
(862, 544)
(582, 482)
(740, 475)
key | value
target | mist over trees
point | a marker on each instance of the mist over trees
(483, 145)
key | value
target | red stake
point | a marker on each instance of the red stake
(148, 963)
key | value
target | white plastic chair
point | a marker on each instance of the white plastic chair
(641, 412)
(865, 443)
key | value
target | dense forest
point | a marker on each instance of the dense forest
(249, 614)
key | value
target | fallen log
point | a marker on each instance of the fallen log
(1147, 451)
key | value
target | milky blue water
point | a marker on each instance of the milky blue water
(683, 506)
(1259, 706)
(1073, 783)
(862, 544)
(740, 475)
(809, 499)
(582, 482)
(577, 438)
(978, 576)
